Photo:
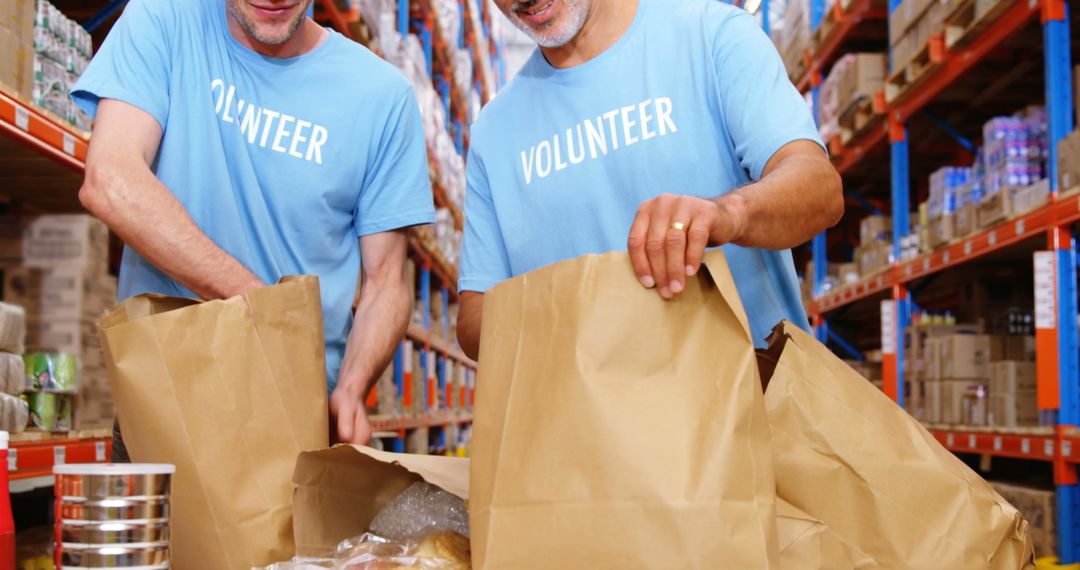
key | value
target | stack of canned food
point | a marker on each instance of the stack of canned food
(113, 516)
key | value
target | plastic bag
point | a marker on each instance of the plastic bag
(421, 510)
(439, 551)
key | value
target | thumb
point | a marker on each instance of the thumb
(346, 417)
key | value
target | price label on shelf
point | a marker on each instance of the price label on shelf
(967, 248)
(69, 145)
(945, 257)
(997, 444)
(971, 441)
(1019, 227)
(99, 451)
(907, 270)
(992, 238)
(1025, 446)
(22, 118)
(1066, 448)
(59, 455)
(888, 327)
(1045, 295)
(13, 460)
(949, 440)
(926, 264)
(878, 281)
(1048, 447)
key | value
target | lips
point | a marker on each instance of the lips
(536, 13)
(272, 11)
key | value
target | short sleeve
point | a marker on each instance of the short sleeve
(484, 261)
(134, 63)
(396, 191)
(762, 109)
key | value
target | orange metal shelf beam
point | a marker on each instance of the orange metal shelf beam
(863, 10)
(36, 458)
(398, 423)
(37, 130)
(854, 152)
(1040, 447)
(1028, 226)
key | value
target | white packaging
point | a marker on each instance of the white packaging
(12, 328)
(12, 374)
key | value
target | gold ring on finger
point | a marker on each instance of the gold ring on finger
(678, 226)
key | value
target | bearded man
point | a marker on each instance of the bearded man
(236, 142)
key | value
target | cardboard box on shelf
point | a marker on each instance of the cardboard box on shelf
(59, 293)
(942, 230)
(70, 240)
(78, 338)
(1012, 347)
(964, 221)
(962, 356)
(932, 402)
(1010, 202)
(1069, 160)
(1011, 377)
(1038, 507)
(875, 229)
(861, 79)
(94, 407)
(17, 46)
(963, 402)
(848, 273)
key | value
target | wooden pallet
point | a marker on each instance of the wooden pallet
(861, 115)
(928, 61)
(970, 18)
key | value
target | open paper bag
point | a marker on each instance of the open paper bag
(230, 394)
(614, 429)
(849, 457)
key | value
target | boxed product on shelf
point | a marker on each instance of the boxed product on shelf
(911, 26)
(59, 293)
(793, 38)
(1069, 161)
(17, 46)
(920, 348)
(62, 51)
(963, 402)
(948, 187)
(875, 229)
(847, 273)
(1011, 201)
(873, 257)
(12, 374)
(70, 240)
(1038, 507)
(1018, 347)
(959, 356)
(1013, 400)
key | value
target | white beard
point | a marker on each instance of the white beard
(576, 13)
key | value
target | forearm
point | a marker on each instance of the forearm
(470, 317)
(378, 327)
(146, 215)
(798, 199)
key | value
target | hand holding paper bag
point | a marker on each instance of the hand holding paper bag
(230, 394)
(614, 429)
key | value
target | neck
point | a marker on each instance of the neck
(307, 37)
(606, 22)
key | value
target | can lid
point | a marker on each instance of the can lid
(4, 438)
(114, 469)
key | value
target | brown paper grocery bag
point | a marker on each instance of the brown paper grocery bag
(614, 429)
(340, 490)
(848, 456)
(808, 544)
(230, 395)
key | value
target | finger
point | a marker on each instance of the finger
(635, 245)
(697, 239)
(656, 249)
(676, 248)
(363, 430)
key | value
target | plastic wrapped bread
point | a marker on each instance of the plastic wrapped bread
(12, 328)
(14, 413)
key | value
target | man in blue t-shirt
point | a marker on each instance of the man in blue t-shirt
(236, 142)
(659, 127)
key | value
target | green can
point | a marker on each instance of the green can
(51, 372)
(50, 411)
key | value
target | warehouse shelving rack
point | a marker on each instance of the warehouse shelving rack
(436, 355)
(44, 160)
(1049, 227)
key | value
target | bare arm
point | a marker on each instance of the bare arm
(121, 190)
(379, 325)
(799, 195)
(470, 315)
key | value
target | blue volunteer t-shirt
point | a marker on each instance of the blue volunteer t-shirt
(283, 163)
(693, 99)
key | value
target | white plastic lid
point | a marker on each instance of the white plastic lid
(4, 437)
(114, 469)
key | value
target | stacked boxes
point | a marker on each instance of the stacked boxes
(949, 187)
(874, 252)
(1014, 166)
(14, 412)
(57, 268)
(793, 38)
(911, 26)
(854, 78)
(62, 51)
(16, 46)
(1069, 162)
